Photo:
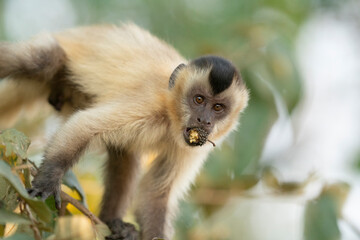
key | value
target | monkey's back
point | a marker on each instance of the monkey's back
(110, 61)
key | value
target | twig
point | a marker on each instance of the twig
(214, 145)
(21, 167)
(33, 172)
(62, 210)
(33, 164)
(33, 226)
(65, 197)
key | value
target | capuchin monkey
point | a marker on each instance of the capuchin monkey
(134, 93)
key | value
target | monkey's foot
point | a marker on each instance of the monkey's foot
(122, 231)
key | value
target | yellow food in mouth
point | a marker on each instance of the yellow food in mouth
(193, 136)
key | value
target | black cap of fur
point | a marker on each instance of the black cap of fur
(222, 72)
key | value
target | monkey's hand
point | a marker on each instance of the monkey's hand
(44, 186)
(122, 230)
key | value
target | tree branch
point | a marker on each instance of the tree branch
(34, 223)
(68, 199)
(65, 197)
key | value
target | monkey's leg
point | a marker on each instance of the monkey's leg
(120, 178)
(160, 189)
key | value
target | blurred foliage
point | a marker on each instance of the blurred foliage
(357, 162)
(34, 219)
(259, 37)
(321, 219)
(322, 213)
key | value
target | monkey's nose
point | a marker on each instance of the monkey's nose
(205, 122)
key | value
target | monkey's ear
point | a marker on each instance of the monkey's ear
(174, 75)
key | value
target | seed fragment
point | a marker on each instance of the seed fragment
(193, 136)
(197, 136)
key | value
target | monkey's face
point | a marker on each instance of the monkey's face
(205, 110)
(213, 95)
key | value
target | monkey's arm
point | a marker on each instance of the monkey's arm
(67, 145)
(167, 180)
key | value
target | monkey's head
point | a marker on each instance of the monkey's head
(207, 96)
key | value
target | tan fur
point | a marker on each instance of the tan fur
(116, 86)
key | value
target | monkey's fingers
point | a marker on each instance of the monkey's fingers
(33, 192)
(38, 193)
(43, 195)
(57, 199)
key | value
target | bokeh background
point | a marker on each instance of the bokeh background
(292, 170)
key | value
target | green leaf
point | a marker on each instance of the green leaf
(72, 182)
(8, 195)
(339, 192)
(15, 142)
(39, 207)
(20, 236)
(50, 202)
(10, 217)
(27, 178)
(25, 229)
(3, 187)
(321, 219)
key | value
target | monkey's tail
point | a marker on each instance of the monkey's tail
(26, 72)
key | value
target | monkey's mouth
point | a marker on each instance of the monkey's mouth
(195, 136)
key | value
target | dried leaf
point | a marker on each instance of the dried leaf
(16, 145)
(270, 179)
(39, 207)
(101, 231)
(74, 227)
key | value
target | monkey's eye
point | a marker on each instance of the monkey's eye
(198, 99)
(218, 107)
